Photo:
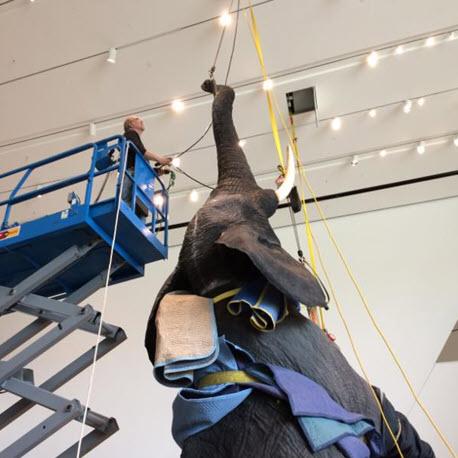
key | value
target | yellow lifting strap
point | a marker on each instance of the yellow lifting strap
(226, 295)
(273, 120)
(220, 378)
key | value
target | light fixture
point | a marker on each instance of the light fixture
(455, 141)
(372, 59)
(194, 196)
(430, 41)
(452, 36)
(336, 123)
(383, 153)
(421, 147)
(267, 84)
(373, 113)
(158, 199)
(92, 129)
(112, 53)
(242, 143)
(225, 19)
(399, 50)
(407, 106)
(354, 161)
(38, 188)
(176, 161)
(177, 106)
(421, 101)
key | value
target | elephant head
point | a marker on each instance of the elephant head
(230, 240)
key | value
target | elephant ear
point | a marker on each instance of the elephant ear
(260, 244)
(175, 282)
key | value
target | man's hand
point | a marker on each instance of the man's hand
(164, 160)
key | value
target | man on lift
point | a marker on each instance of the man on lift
(133, 128)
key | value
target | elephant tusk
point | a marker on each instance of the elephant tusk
(283, 191)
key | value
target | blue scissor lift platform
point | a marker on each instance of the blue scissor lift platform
(51, 264)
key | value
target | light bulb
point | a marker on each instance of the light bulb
(372, 59)
(373, 113)
(177, 106)
(176, 162)
(194, 196)
(407, 106)
(242, 143)
(421, 147)
(336, 123)
(92, 129)
(452, 36)
(158, 200)
(225, 19)
(383, 153)
(421, 101)
(267, 85)
(399, 50)
(431, 41)
(455, 141)
(354, 161)
(112, 53)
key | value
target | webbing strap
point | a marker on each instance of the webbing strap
(220, 378)
(226, 295)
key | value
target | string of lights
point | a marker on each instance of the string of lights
(371, 59)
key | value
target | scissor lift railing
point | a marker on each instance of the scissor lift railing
(50, 265)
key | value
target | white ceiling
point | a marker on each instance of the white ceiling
(54, 81)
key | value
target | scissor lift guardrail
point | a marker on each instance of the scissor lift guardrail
(50, 265)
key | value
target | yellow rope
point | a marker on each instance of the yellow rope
(355, 349)
(364, 301)
(273, 120)
(271, 99)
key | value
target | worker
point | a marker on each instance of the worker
(133, 129)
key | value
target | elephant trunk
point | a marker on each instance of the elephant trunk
(234, 173)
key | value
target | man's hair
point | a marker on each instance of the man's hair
(128, 122)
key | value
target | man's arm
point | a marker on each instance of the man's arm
(156, 157)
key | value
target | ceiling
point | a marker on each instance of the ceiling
(54, 81)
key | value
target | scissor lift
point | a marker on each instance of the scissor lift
(50, 265)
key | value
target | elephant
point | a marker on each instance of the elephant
(228, 241)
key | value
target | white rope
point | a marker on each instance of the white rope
(102, 313)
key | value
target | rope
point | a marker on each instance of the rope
(212, 71)
(355, 350)
(102, 313)
(366, 304)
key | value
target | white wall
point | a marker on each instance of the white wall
(405, 259)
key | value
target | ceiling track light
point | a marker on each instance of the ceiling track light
(225, 19)
(112, 53)
(373, 113)
(455, 141)
(421, 147)
(383, 153)
(176, 161)
(407, 108)
(354, 161)
(399, 50)
(177, 106)
(92, 129)
(242, 143)
(194, 196)
(336, 123)
(158, 200)
(452, 36)
(430, 42)
(421, 101)
(372, 59)
(267, 84)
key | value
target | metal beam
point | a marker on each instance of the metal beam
(10, 367)
(42, 275)
(62, 377)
